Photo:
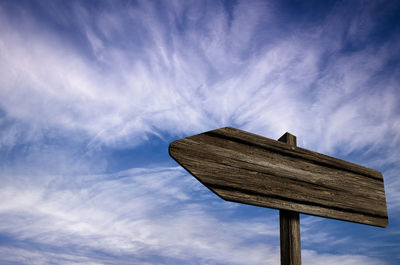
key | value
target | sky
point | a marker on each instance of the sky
(93, 92)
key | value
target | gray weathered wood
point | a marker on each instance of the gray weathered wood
(289, 225)
(247, 168)
(290, 237)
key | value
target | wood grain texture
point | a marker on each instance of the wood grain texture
(290, 237)
(247, 168)
(289, 224)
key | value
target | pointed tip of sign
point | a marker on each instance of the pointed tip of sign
(288, 138)
(171, 148)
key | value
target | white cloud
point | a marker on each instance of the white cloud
(135, 213)
(310, 257)
(201, 78)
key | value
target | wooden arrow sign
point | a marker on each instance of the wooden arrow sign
(243, 167)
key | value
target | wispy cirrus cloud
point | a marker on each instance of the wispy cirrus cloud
(190, 69)
(138, 215)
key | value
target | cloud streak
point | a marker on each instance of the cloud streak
(143, 215)
(141, 77)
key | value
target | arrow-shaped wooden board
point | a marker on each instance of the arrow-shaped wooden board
(243, 167)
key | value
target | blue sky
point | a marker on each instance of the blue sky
(92, 93)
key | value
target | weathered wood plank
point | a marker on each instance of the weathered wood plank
(248, 168)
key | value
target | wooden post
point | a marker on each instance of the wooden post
(247, 168)
(290, 225)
